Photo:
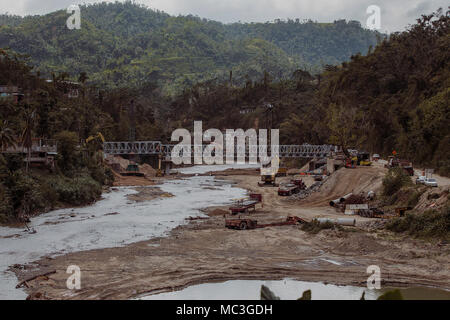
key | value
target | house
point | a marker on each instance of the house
(10, 92)
(43, 152)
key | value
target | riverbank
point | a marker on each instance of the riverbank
(202, 250)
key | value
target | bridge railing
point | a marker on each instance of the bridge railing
(157, 148)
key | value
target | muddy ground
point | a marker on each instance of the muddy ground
(204, 251)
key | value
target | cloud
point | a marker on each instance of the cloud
(396, 15)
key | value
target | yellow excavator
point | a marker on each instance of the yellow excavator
(95, 152)
(96, 136)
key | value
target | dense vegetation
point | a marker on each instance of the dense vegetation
(394, 98)
(46, 112)
(125, 44)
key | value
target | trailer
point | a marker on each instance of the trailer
(244, 224)
(288, 189)
(245, 204)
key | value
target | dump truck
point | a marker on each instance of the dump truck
(299, 182)
(288, 189)
(245, 204)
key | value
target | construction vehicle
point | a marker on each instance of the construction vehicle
(243, 224)
(394, 162)
(282, 172)
(96, 136)
(245, 204)
(132, 170)
(299, 182)
(288, 189)
(363, 159)
(267, 173)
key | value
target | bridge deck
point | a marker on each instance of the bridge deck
(157, 148)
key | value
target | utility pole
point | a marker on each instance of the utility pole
(132, 116)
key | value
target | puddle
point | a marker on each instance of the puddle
(110, 222)
(288, 289)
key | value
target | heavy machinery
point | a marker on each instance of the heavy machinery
(268, 173)
(282, 172)
(299, 182)
(243, 224)
(363, 159)
(96, 136)
(245, 204)
(394, 162)
(288, 189)
(132, 170)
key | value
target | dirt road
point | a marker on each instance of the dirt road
(205, 251)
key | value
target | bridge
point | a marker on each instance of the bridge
(158, 148)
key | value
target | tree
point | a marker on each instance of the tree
(27, 140)
(7, 138)
(346, 126)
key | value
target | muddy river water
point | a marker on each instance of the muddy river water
(288, 289)
(113, 221)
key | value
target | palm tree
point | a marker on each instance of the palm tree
(7, 138)
(27, 140)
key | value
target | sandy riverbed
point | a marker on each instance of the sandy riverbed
(204, 251)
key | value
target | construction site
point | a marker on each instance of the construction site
(164, 230)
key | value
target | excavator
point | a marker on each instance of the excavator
(96, 136)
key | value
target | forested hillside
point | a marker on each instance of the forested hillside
(125, 44)
(395, 98)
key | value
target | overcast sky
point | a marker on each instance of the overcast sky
(395, 14)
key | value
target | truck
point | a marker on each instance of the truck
(244, 224)
(394, 162)
(299, 182)
(288, 189)
(245, 204)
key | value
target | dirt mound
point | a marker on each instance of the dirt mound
(344, 181)
(147, 170)
(358, 243)
(434, 198)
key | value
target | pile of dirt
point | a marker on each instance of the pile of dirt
(433, 198)
(344, 181)
(358, 243)
(147, 170)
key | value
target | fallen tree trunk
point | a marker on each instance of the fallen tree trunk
(34, 277)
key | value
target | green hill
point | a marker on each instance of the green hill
(125, 44)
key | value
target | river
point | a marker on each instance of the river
(93, 227)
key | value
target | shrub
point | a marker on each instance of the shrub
(395, 179)
(430, 224)
(79, 190)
